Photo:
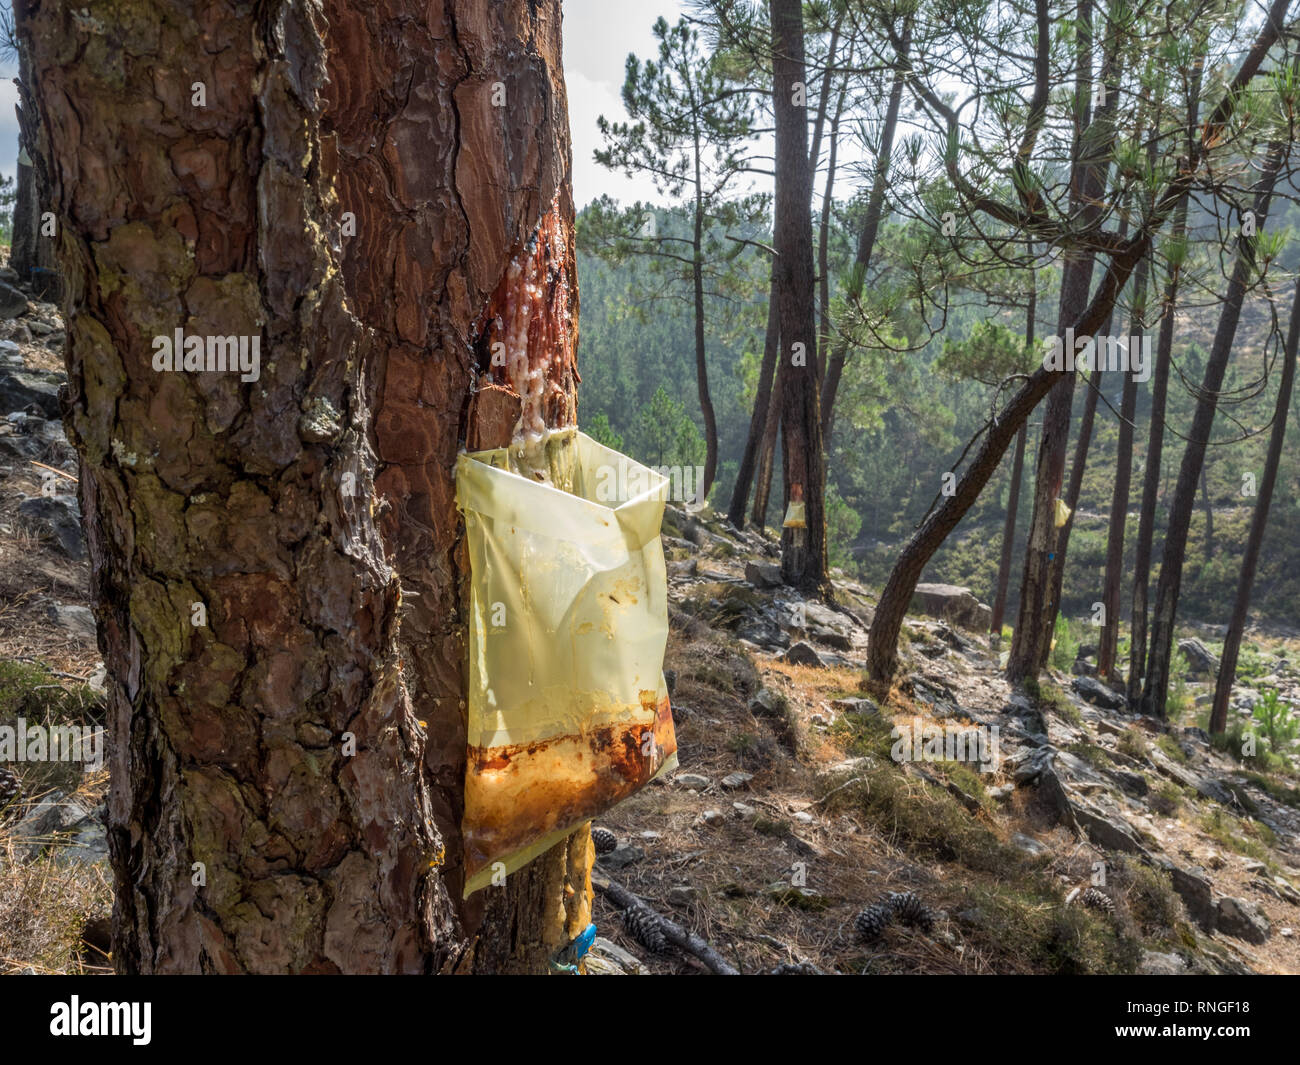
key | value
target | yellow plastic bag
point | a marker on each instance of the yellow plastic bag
(568, 621)
(1062, 513)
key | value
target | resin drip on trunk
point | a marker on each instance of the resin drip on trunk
(527, 333)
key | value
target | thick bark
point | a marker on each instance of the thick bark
(1258, 523)
(1155, 688)
(1108, 644)
(1013, 494)
(304, 508)
(758, 418)
(803, 550)
(867, 238)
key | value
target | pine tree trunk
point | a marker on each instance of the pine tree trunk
(1142, 549)
(1155, 689)
(1032, 635)
(1013, 494)
(1039, 589)
(803, 550)
(882, 646)
(253, 541)
(1108, 644)
(823, 245)
(1072, 492)
(1208, 506)
(758, 417)
(1258, 523)
(771, 430)
(866, 239)
(1075, 487)
(814, 158)
(701, 363)
(1008, 535)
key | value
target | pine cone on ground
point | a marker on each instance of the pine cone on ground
(1098, 900)
(911, 911)
(802, 968)
(644, 926)
(603, 839)
(872, 922)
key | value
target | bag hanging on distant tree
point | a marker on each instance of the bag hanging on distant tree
(568, 711)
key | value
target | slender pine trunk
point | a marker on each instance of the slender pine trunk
(1155, 689)
(1258, 523)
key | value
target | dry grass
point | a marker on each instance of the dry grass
(49, 909)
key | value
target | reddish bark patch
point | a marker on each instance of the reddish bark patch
(525, 336)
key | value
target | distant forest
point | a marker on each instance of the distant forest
(906, 412)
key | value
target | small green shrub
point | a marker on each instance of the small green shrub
(1275, 720)
(1065, 648)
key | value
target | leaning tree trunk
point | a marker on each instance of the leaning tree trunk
(286, 765)
(1155, 689)
(803, 550)
(882, 640)
(1258, 522)
(882, 645)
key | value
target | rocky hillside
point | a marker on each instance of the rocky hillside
(1092, 839)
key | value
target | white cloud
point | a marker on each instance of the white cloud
(598, 35)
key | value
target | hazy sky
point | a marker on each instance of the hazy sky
(598, 34)
(8, 123)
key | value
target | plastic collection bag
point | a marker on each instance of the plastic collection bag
(568, 621)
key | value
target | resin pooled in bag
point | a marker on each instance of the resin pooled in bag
(568, 621)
